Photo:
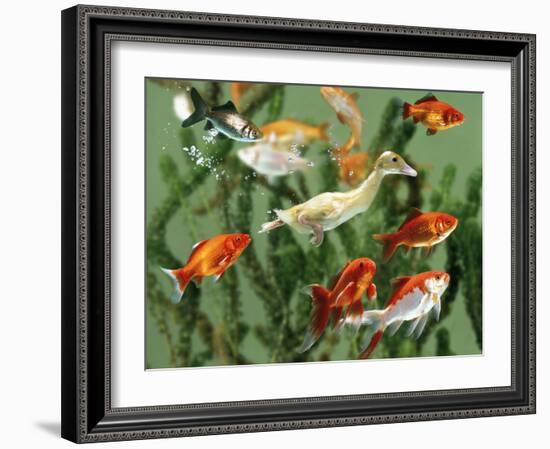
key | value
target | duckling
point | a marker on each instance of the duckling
(329, 210)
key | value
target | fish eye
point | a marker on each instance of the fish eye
(394, 159)
(238, 239)
(361, 264)
(437, 278)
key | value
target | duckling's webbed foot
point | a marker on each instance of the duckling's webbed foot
(316, 228)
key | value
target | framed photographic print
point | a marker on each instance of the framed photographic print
(282, 223)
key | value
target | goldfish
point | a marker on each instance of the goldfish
(225, 119)
(237, 90)
(347, 110)
(353, 168)
(329, 210)
(412, 300)
(266, 159)
(355, 278)
(418, 230)
(290, 131)
(210, 257)
(433, 114)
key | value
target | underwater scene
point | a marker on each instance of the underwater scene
(304, 223)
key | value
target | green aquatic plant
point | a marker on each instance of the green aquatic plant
(276, 267)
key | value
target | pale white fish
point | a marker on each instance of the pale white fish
(267, 160)
(183, 106)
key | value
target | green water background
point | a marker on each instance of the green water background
(461, 146)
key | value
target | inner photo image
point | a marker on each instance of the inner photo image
(302, 223)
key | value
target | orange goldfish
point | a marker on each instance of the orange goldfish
(353, 168)
(354, 279)
(290, 131)
(209, 258)
(433, 114)
(418, 230)
(237, 90)
(346, 108)
(413, 298)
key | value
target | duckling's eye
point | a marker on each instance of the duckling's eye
(394, 159)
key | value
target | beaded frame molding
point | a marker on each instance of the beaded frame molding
(87, 34)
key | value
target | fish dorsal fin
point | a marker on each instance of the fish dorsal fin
(227, 107)
(196, 247)
(428, 97)
(399, 282)
(335, 279)
(413, 213)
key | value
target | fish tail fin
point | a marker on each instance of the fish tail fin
(201, 109)
(407, 110)
(323, 131)
(180, 277)
(372, 345)
(319, 316)
(270, 225)
(390, 244)
(374, 318)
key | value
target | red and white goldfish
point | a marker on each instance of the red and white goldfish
(433, 114)
(237, 90)
(347, 110)
(418, 230)
(294, 132)
(210, 257)
(412, 300)
(355, 278)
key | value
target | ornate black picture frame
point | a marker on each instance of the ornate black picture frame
(87, 34)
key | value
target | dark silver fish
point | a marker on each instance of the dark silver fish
(225, 118)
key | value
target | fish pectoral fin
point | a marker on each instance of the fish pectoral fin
(394, 327)
(371, 292)
(431, 131)
(348, 290)
(437, 308)
(412, 326)
(224, 263)
(226, 107)
(218, 276)
(421, 326)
